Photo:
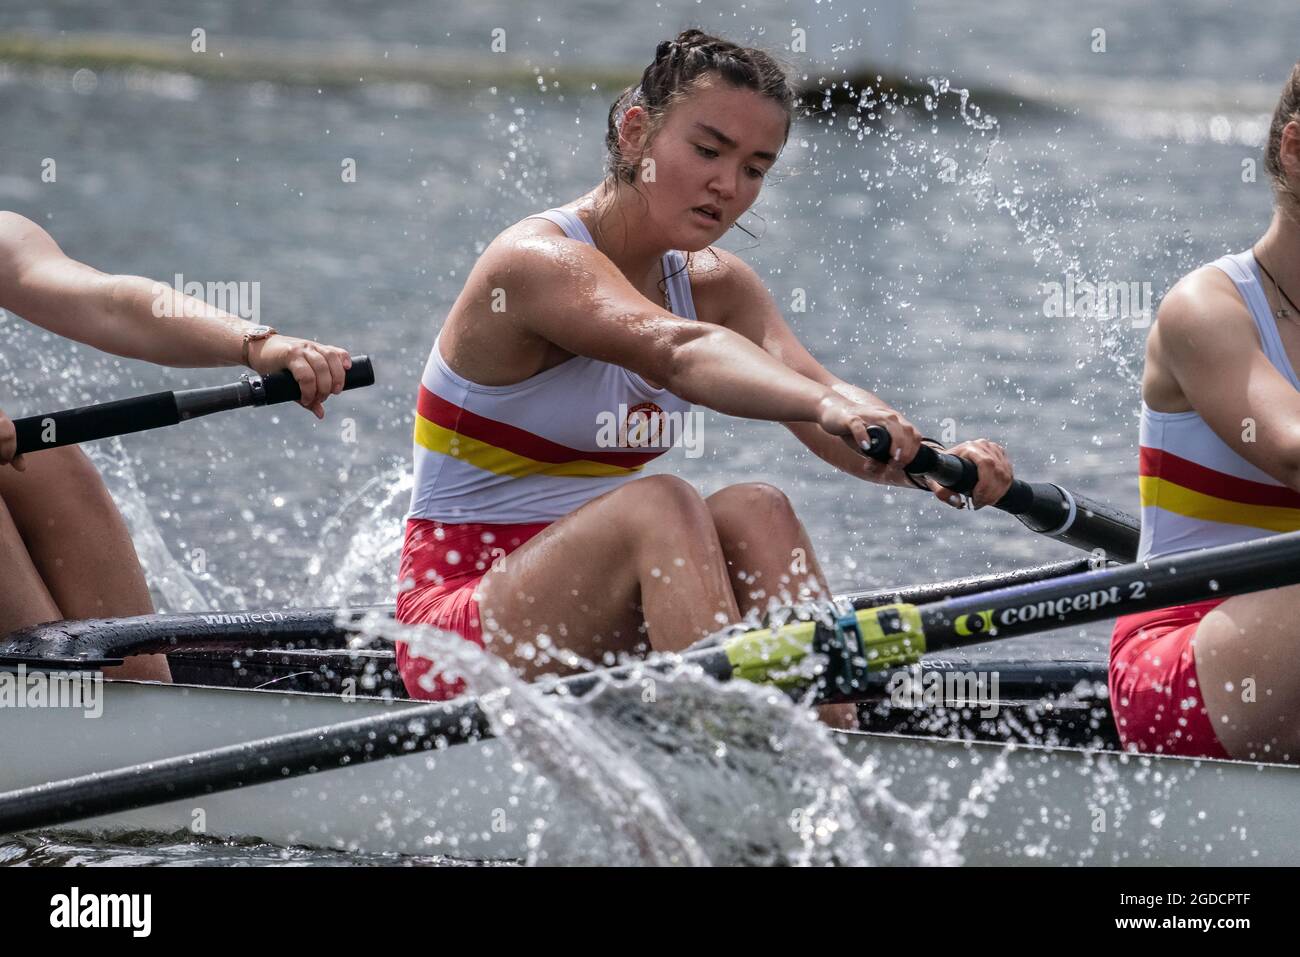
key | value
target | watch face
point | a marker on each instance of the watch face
(258, 332)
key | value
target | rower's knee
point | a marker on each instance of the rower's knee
(752, 505)
(665, 505)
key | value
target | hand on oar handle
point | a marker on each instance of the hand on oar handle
(855, 422)
(991, 465)
(9, 444)
(283, 386)
(319, 370)
(978, 469)
(1042, 507)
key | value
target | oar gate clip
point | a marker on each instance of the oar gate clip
(256, 387)
(861, 643)
(846, 650)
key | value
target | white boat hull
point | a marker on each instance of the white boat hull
(1039, 806)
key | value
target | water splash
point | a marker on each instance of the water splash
(667, 766)
(358, 546)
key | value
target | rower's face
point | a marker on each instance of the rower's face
(708, 162)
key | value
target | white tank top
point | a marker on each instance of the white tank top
(1195, 490)
(538, 449)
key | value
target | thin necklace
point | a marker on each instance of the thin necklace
(1282, 313)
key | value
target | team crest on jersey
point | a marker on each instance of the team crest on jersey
(643, 427)
(647, 426)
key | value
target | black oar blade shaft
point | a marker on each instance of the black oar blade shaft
(1101, 595)
(74, 426)
(409, 731)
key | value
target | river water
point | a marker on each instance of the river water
(925, 245)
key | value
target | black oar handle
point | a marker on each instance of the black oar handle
(950, 471)
(1040, 506)
(282, 387)
(53, 430)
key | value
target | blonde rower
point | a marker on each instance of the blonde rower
(1220, 463)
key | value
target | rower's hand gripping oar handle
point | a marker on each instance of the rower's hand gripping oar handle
(1041, 507)
(125, 416)
(950, 471)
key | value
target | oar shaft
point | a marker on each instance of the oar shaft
(53, 430)
(407, 731)
(869, 640)
(885, 637)
(1104, 594)
(104, 642)
(74, 426)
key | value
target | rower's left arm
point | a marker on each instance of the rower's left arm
(138, 318)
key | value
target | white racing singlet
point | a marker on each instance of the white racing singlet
(1195, 490)
(538, 449)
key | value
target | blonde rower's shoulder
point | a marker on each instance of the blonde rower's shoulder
(1205, 297)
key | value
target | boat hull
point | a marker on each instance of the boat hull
(1002, 805)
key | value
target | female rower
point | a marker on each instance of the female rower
(616, 308)
(1220, 463)
(64, 548)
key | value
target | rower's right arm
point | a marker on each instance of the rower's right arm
(578, 300)
(1204, 345)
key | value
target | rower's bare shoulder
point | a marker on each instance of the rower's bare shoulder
(1203, 309)
(1201, 320)
(723, 284)
(535, 253)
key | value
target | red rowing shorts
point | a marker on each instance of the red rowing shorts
(446, 564)
(1154, 693)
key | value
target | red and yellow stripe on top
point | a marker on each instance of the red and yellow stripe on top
(442, 426)
(1195, 491)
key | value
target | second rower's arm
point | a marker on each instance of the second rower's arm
(141, 319)
(578, 300)
(747, 307)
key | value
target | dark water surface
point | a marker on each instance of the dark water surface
(922, 246)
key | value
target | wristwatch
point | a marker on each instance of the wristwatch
(256, 334)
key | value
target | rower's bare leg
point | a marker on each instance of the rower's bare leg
(24, 599)
(637, 569)
(79, 547)
(770, 559)
(1249, 674)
